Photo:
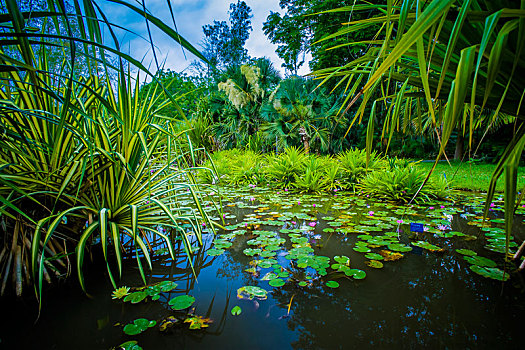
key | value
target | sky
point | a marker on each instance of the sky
(190, 16)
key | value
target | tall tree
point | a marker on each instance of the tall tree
(298, 31)
(223, 43)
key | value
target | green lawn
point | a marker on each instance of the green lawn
(475, 177)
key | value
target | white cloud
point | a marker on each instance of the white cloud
(190, 16)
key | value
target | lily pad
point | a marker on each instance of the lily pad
(214, 252)
(490, 272)
(427, 246)
(374, 256)
(236, 310)
(356, 274)
(130, 345)
(181, 302)
(480, 261)
(138, 326)
(466, 252)
(362, 249)
(375, 264)
(277, 282)
(136, 297)
(250, 292)
(332, 284)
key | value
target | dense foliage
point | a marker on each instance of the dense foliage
(389, 179)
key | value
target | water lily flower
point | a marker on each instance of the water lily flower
(252, 199)
(294, 223)
(312, 224)
(212, 193)
(399, 221)
(278, 192)
(317, 237)
(223, 215)
(298, 202)
(367, 196)
(523, 205)
(430, 208)
(370, 213)
(442, 207)
(314, 205)
(492, 205)
(285, 190)
(335, 189)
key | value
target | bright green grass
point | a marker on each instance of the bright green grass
(474, 177)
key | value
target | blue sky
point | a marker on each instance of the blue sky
(190, 16)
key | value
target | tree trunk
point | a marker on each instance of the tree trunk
(460, 143)
(305, 139)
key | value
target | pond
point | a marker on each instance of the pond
(335, 271)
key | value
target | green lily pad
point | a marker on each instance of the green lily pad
(236, 310)
(374, 256)
(343, 260)
(398, 247)
(427, 246)
(303, 283)
(214, 252)
(181, 302)
(251, 252)
(356, 274)
(138, 326)
(332, 284)
(466, 252)
(490, 272)
(277, 282)
(362, 249)
(136, 297)
(130, 345)
(480, 261)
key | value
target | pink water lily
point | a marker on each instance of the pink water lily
(312, 224)
(492, 205)
(252, 199)
(431, 208)
(399, 221)
(294, 223)
(298, 202)
(442, 207)
(370, 213)
(314, 205)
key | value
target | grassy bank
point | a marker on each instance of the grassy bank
(471, 176)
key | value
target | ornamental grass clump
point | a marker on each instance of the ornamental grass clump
(287, 166)
(400, 184)
(354, 166)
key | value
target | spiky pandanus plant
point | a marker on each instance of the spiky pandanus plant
(79, 160)
(462, 55)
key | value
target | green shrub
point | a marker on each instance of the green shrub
(354, 167)
(313, 177)
(233, 166)
(400, 184)
(287, 166)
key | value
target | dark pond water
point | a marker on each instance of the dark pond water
(429, 298)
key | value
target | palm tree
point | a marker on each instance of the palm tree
(298, 113)
(243, 91)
